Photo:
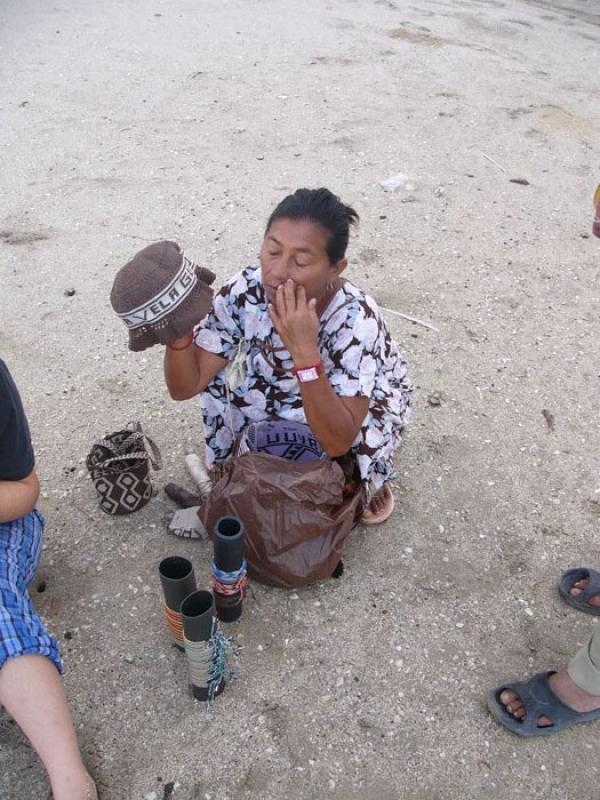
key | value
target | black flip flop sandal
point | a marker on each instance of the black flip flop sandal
(539, 700)
(568, 580)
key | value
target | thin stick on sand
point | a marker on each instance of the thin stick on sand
(489, 158)
(411, 319)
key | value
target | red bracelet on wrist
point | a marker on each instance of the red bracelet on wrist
(310, 373)
(185, 346)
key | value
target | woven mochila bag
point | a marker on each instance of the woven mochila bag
(119, 466)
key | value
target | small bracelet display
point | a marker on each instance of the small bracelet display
(311, 373)
(185, 346)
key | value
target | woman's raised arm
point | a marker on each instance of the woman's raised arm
(189, 369)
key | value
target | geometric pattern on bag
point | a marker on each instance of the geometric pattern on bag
(119, 466)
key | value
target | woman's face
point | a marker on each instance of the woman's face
(297, 249)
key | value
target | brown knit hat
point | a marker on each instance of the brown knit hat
(160, 295)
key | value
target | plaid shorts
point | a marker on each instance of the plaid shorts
(22, 632)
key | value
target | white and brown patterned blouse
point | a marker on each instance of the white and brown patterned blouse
(360, 359)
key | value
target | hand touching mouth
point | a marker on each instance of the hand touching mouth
(271, 292)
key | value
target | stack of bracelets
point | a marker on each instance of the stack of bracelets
(192, 613)
(207, 665)
(229, 567)
(229, 589)
(177, 581)
(174, 624)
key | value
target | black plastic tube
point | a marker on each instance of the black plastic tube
(177, 580)
(228, 538)
(229, 606)
(198, 610)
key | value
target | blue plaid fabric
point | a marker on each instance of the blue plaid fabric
(22, 632)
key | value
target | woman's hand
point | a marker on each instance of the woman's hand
(334, 420)
(295, 320)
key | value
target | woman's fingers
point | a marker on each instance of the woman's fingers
(279, 303)
(291, 304)
(285, 300)
(294, 319)
(275, 319)
(300, 298)
(289, 295)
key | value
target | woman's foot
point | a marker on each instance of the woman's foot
(380, 508)
(561, 684)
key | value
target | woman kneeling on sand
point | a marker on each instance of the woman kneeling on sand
(313, 350)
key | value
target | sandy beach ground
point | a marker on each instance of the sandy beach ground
(128, 121)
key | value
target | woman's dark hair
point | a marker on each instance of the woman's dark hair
(323, 208)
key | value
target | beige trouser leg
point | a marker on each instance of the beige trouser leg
(584, 668)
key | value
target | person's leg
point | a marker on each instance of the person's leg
(584, 668)
(577, 685)
(32, 693)
(30, 686)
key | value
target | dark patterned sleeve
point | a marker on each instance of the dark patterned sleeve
(220, 331)
(356, 350)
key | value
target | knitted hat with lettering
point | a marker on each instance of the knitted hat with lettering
(161, 295)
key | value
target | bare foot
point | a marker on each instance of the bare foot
(378, 503)
(578, 588)
(566, 691)
(380, 507)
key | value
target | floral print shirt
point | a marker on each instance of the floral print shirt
(359, 356)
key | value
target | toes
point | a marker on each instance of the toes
(579, 586)
(517, 709)
(544, 721)
(512, 703)
(376, 505)
(508, 696)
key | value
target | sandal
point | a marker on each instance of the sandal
(377, 517)
(569, 578)
(538, 699)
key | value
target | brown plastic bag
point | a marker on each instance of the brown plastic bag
(296, 516)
